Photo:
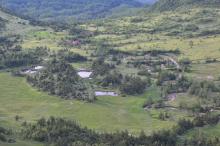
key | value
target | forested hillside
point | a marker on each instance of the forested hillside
(165, 5)
(2, 24)
(72, 9)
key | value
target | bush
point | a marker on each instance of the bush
(133, 85)
(99, 67)
(165, 76)
(203, 89)
(70, 56)
(113, 79)
(191, 28)
(144, 73)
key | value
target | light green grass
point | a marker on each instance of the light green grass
(133, 33)
(43, 38)
(107, 114)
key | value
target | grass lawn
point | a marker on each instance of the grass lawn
(106, 114)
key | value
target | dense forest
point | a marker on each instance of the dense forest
(69, 9)
(166, 5)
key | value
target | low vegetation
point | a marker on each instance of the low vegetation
(159, 73)
(63, 132)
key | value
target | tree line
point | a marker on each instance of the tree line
(63, 132)
(12, 55)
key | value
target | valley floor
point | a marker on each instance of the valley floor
(107, 114)
(119, 113)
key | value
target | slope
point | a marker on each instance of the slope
(166, 5)
(67, 10)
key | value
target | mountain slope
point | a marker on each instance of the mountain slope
(2, 24)
(67, 9)
(13, 25)
(166, 5)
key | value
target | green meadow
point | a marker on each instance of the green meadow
(107, 114)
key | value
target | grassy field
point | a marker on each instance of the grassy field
(124, 34)
(151, 31)
(43, 38)
(205, 71)
(106, 114)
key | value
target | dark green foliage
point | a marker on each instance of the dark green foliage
(183, 126)
(162, 52)
(185, 64)
(199, 121)
(8, 42)
(148, 103)
(113, 79)
(211, 60)
(133, 85)
(191, 28)
(70, 57)
(210, 32)
(20, 58)
(166, 5)
(59, 131)
(144, 73)
(99, 67)
(163, 116)
(207, 119)
(13, 56)
(5, 136)
(80, 33)
(199, 140)
(203, 89)
(2, 24)
(3, 133)
(182, 84)
(164, 138)
(60, 78)
(63, 132)
(66, 10)
(103, 48)
(165, 76)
